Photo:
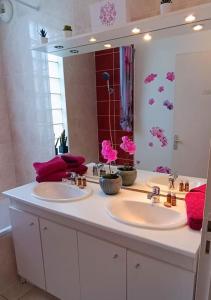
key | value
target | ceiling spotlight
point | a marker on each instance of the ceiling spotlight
(74, 51)
(147, 37)
(190, 18)
(136, 30)
(107, 46)
(198, 27)
(59, 47)
(92, 40)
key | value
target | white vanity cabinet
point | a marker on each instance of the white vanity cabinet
(152, 279)
(60, 255)
(102, 269)
(28, 250)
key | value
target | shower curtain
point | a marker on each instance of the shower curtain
(126, 85)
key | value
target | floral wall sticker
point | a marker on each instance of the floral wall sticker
(108, 13)
(151, 101)
(161, 89)
(169, 105)
(150, 78)
(159, 134)
(151, 144)
(162, 169)
(170, 76)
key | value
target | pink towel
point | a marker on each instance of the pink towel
(74, 160)
(52, 177)
(81, 170)
(195, 202)
(54, 165)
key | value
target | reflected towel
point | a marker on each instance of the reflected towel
(195, 202)
(52, 177)
(81, 170)
(54, 165)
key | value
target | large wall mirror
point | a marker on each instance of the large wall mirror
(156, 90)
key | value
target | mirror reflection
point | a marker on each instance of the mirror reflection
(156, 92)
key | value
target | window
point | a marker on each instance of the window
(57, 95)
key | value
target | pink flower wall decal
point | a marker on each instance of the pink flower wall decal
(128, 145)
(108, 13)
(161, 169)
(150, 78)
(108, 152)
(151, 101)
(151, 144)
(161, 89)
(170, 76)
(159, 134)
(168, 104)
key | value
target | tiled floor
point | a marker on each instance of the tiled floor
(25, 291)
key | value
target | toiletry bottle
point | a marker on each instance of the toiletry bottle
(173, 199)
(84, 183)
(79, 183)
(187, 187)
(168, 198)
(181, 186)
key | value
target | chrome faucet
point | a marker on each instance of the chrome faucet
(172, 178)
(154, 196)
(97, 168)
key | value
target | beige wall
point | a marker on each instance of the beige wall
(80, 90)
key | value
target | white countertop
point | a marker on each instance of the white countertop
(92, 211)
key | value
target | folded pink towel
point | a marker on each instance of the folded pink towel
(81, 170)
(71, 159)
(52, 177)
(54, 165)
(195, 202)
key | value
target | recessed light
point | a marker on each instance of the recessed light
(59, 47)
(107, 46)
(92, 40)
(190, 18)
(147, 37)
(198, 27)
(136, 30)
(74, 51)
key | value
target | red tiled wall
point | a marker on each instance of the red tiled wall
(108, 61)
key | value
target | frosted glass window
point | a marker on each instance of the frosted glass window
(55, 87)
(57, 116)
(56, 101)
(58, 130)
(53, 69)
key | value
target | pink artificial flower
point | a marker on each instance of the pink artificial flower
(151, 101)
(150, 78)
(161, 89)
(170, 76)
(128, 145)
(108, 152)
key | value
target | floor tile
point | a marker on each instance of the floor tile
(16, 290)
(37, 294)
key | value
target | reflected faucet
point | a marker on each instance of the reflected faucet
(172, 178)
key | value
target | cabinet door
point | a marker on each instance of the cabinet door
(26, 236)
(151, 279)
(102, 269)
(60, 253)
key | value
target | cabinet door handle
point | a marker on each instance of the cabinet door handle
(115, 256)
(137, 266)
(31, 224)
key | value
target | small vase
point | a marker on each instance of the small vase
(128, 176)
(44, 40)
(165, 8)
(67, 33)
(110, 186)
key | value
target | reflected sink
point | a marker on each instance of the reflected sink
(59, 192)
(163, 182)
(147, 215)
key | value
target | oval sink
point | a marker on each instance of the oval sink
(163, 182)
(147, 215)
(59, 192)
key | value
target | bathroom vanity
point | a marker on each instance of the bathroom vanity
(76, 250)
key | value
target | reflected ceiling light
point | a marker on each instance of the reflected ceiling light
(92, 40)
(136, 30)
(107, 46)
(58, 47)
(190, 18)
(198, 27)
(74, 51)
(147, 37)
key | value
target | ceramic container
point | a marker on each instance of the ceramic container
(110, 186)
(128, 177)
